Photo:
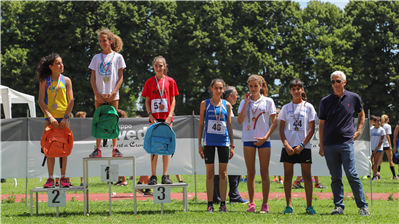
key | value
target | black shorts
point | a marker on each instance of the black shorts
(223, 154)
(304, 157)
(385, 148)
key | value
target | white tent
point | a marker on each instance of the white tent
(9, 96)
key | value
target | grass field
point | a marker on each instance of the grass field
(148, 212)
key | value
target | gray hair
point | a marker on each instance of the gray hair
(228, 91)
(339, 73)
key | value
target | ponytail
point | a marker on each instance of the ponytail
(117, 43)
(384, 119)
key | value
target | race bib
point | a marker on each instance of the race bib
(216, 128)
(158, 106)
(299, 124)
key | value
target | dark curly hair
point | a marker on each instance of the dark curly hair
(299, 83)
(43, 70)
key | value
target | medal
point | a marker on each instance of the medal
(106, 78)
(253, 119)
(161, 107)
(296, 119)
(54, 105)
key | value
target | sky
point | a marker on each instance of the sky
(340, 3)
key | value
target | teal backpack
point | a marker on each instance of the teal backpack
(160, 139)
(105, 123)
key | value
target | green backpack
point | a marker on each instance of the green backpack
(105, 123)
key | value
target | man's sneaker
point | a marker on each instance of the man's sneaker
(264, 209)
(319, 185)
(288, 210)
(364, 211)
(310, 211)
(297, 185)
(281, 182)
(338, 211)
(241, 200)
(64, 183)
(96, 153)
(251, 207)
(223, 208)
(49, 183)
(116, 153)
(148, 192)
(209, 209)
(165, 180)
(153, 180)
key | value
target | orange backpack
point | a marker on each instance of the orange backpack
(56, 142)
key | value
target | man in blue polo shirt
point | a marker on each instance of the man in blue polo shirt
(337, 134)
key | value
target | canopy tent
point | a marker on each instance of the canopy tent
(9, 96)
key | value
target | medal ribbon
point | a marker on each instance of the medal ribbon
(102, 59)
(293, 113)
(163, 85)
(214, 110)
(58, 86)
(254, 112)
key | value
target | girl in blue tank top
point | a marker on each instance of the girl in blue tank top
(216, 113)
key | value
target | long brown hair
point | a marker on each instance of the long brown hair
(161, 58)
(257, 78)
(117, 43)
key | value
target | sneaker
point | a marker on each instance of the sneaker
(364, 211)
(122, 184)
(251, 207)
(288, 210)
(223, 208)
(319, 185)
(265, 208)
(210, 209)
(165, 180)
(301, 180)
(81, 184)
(241, 200)
(281, 182)
(117, 183)
(131, 178)
(64, 183)
(153, 180)
(243, 180)
(116, 153)
(395, 178)
(297, 185)
(49, 183)
(141, 191)
(338, 211)
(96, 153)
(148, 192)
(374, 178)
(310, 211)
(70, 184)
(56, 184)
(275, 179)
(365, 177)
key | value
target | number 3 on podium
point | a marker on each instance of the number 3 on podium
(161, 195)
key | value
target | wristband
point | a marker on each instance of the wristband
(232, 146)
(200, 145)
(303, 145)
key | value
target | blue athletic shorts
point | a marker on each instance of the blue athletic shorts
(58, 119)
(264, 145)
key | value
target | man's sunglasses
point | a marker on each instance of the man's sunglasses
(338, 81)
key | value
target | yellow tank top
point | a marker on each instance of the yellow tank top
(61, 100)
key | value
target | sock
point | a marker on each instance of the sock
(62, 176)
(379, 168)
(210, 203)
(139, 182)
(222, 203)
(51, 176)
(99, 148)
(393, 170)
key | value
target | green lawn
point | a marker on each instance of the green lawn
(381, 211)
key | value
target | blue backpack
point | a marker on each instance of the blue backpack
(160, 139)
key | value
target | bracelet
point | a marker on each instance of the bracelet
(149, 113)
(303, 145)
(232, 146)
(200, 145)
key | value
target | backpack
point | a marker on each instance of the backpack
(105, 123)
(160, 139)
(56, 142)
